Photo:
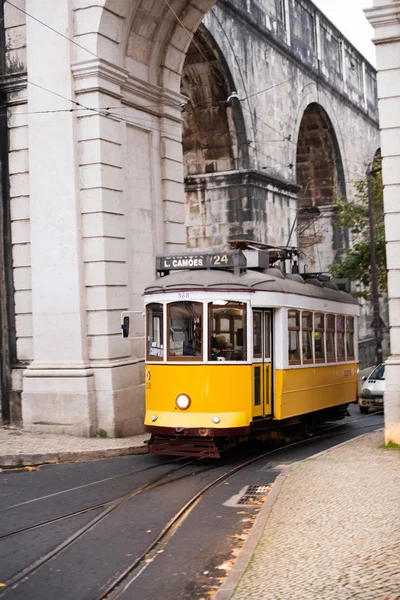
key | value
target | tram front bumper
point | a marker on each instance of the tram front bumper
(193, 420)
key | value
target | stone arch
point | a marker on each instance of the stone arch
(320, 175)
(215, 149)
(312, 94)
(156, 33)
(214, 134)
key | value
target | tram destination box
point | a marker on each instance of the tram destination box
(232, 259)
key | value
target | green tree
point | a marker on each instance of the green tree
(355, 262)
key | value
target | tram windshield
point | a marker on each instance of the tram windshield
(227, 330)
(185, 330)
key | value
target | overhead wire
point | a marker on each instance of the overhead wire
(189, 34)
(51, 28)
(267, 89)
(106, 111)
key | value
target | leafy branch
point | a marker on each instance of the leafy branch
(355, 262)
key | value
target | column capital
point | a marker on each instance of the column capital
(99, 75)
(385, 19)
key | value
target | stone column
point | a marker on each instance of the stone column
(385, 18)
(58, 387)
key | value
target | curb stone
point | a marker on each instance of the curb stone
(35, 459)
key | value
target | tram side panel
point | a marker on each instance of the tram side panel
(305, 390)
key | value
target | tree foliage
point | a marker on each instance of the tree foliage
(355, 262)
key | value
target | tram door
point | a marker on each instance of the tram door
(262, 364)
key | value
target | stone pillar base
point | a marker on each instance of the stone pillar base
(120, 398)
(59, 401)
(392, 400)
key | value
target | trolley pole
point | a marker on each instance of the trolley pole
(376, 321)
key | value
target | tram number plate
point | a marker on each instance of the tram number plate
(183, 295)
(220, 260)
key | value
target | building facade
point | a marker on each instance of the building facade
(138, 127)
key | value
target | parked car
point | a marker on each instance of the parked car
(373, 388)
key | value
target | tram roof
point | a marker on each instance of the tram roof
(216, 280)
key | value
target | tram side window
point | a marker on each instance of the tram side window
(257, 325)
(227, 331)
(350, 338)
(294, 336)
(319, 334)
(330, 338)
(155, 335)
(340, 348)
(185, 330)
(306, 337)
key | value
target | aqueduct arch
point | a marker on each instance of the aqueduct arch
(215, 149)
(321, 179)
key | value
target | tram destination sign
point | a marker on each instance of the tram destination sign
(216, 260)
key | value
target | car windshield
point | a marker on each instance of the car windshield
(378, 373)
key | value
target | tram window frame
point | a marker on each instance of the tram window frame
(319, 329)
(183, 358)
(308, 331)
(267, 335)
(330, 331)
(349, 335)
(152, 357)
(257, 331)
(340, 338)
(294, 328)
(233, 333)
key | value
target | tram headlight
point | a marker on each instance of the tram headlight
(183, 401)
(216, 420)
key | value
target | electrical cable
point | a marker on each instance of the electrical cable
(268, 88)
(189, 34)
(52, 29)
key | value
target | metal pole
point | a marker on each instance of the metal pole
(376, 321)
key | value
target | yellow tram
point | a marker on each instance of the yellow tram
(234, 351)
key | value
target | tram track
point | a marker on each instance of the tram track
(154, 483)
(122, 580)
(92, 483)
(110, 506)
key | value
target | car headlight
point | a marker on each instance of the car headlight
(183, 401)
(366, 392)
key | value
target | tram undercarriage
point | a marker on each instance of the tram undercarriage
(209, 443)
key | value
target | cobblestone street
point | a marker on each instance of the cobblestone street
(333, 533)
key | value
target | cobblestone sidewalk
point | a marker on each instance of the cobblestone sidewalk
(333, 532)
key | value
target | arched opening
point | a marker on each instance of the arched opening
(213, 129)
(214, 145)
(321, 179)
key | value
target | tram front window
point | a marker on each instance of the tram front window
(185, 327)
(227, 327)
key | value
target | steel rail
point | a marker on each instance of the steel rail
(112, 505)
(92, 483)
(120, 499)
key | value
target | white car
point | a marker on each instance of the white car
(373, 388)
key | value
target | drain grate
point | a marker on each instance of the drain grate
(255, 494)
